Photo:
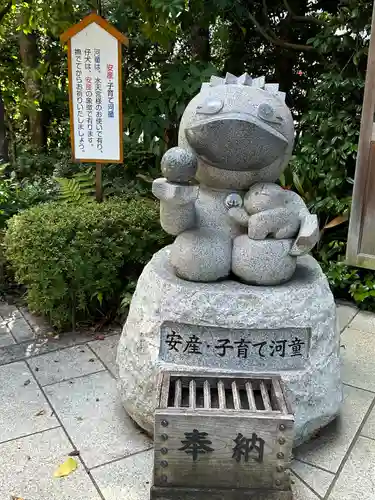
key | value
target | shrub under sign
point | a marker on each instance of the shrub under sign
(222, 437)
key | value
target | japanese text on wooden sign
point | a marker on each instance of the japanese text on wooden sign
(94, 53)
(197, 443)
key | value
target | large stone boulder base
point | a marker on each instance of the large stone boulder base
(314, 388)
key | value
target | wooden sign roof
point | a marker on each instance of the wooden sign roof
(94, 18)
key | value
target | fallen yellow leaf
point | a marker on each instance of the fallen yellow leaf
(15, 498)
(66, 468)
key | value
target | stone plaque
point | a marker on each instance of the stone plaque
(237, 349)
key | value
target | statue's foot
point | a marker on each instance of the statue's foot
(202, 255)
(263, 262)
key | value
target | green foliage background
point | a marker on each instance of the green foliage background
(316, 49)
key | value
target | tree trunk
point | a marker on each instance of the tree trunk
(287, 59)
(236, 57)
(4, 152)
(199, 31)
(29, 57)
(200, 42)
(284, 73)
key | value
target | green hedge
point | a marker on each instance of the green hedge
(76, 259)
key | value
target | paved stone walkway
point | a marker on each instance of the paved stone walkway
(59, 395)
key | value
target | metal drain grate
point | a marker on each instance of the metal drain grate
(255, 394)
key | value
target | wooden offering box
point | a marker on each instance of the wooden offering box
(222, 437)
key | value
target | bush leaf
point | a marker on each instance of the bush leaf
(340, 219)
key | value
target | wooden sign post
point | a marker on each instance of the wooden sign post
(361, 237)
(95, 92)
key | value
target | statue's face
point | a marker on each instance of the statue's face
(238, 128)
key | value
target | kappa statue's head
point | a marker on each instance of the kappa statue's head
(241, 131)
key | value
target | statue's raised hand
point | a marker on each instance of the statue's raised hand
(179, 165)
(176, 191)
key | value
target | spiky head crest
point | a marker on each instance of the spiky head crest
(245, 79)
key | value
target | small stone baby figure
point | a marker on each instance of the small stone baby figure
(273, 217)
(270, 210)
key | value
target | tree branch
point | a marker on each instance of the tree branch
(265, 12)
(5, 10)
(277, 41)
(303, 19)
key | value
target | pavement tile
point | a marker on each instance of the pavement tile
(301, 491)
(28, 464)
(91, 411)
(63, 365)
(19, 327)
(330, 447)
(369, 427)
(18, 352)
(357, 354)
(129, 478)
(7, 310)
(37, 323)
(23, 408)
(364, 321)
(357, 478)
(106, 350)
(345, 314)
(5, 336)
(317, 479)
(13, 318)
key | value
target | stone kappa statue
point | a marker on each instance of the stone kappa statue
(219, 196)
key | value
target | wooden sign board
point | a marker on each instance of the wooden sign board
(95, 91)
(222, 432)
(361, 237)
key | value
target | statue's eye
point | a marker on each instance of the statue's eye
(210, 106)
(268, 114)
